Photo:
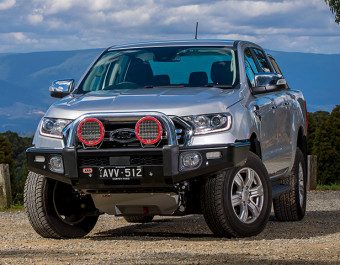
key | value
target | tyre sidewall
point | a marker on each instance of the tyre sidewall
(301, 209)
(61, 228)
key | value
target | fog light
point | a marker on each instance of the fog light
(55, 164)
(190, 160)
(214, 155)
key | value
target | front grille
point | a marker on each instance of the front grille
(135, 160)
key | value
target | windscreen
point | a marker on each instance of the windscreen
(162, 67)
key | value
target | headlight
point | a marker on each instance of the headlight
(209, 123)
(53, 127)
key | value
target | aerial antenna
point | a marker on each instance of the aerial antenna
(196, 31)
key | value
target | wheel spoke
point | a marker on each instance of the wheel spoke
(236, 199)
(256, 191)
(239, 180)
(250, 177)
(253, 209)
(244, 213)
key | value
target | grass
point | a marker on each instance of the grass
(328, 187)
(13, 208)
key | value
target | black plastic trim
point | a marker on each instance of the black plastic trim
(164, 176)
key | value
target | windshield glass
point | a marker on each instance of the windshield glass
(162, 67)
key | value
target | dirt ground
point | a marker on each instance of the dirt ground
(181, 240)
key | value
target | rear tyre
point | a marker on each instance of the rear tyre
(55, 210)
(138, 218)
(291, 206)
(237, 201)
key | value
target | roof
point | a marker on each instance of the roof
(194, 42)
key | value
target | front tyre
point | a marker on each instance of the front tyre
(237, 201)
(291, 206)
(55, 210)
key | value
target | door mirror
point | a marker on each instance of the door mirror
(267, 82)
(61, 88)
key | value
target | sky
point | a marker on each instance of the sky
(50, 25)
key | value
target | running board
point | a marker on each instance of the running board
(279, 189)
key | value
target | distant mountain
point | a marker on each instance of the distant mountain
(316, 75)
(25, 78)
(24, 82)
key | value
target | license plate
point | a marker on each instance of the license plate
(120, 173)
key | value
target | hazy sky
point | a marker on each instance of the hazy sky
(44, 25)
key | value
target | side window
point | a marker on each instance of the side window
(262, 60)
(250, 66)
(274, 64)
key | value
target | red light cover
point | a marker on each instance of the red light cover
(91, 131)
(149, 130)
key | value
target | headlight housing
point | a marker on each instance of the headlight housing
(209, 123)
(53, 127)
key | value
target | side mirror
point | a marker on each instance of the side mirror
(61, 88)
(266, 82)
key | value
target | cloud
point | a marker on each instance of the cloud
(6, 4)
(17, 37)
(73, 24)
(35, 18)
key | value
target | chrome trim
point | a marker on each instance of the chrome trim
(167, 124)
(189, 132)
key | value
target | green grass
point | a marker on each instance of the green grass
(328, 187)
(16, 207)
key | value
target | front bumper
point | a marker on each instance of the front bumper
(161, 166)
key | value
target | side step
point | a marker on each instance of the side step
(279, 189)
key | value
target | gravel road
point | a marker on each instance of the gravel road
(181, 240)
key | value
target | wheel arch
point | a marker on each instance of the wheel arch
(255, 146)
(302, 143)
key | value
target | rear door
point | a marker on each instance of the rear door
(285, 130)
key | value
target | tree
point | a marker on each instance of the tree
(323, 140)
(15, 147)
(6, 158)
(334, 132)
(314, 120)
(334, 6)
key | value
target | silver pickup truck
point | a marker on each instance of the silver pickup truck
(170, 128)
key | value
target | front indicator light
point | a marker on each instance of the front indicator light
(213, 155)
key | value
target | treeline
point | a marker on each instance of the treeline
(13, 152)
(323, 141)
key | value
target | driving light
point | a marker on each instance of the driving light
(190, 160)
(148, 130)
(55, 164)
(53, 127)
(91, 131)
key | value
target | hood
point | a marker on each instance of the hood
(170, 101)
